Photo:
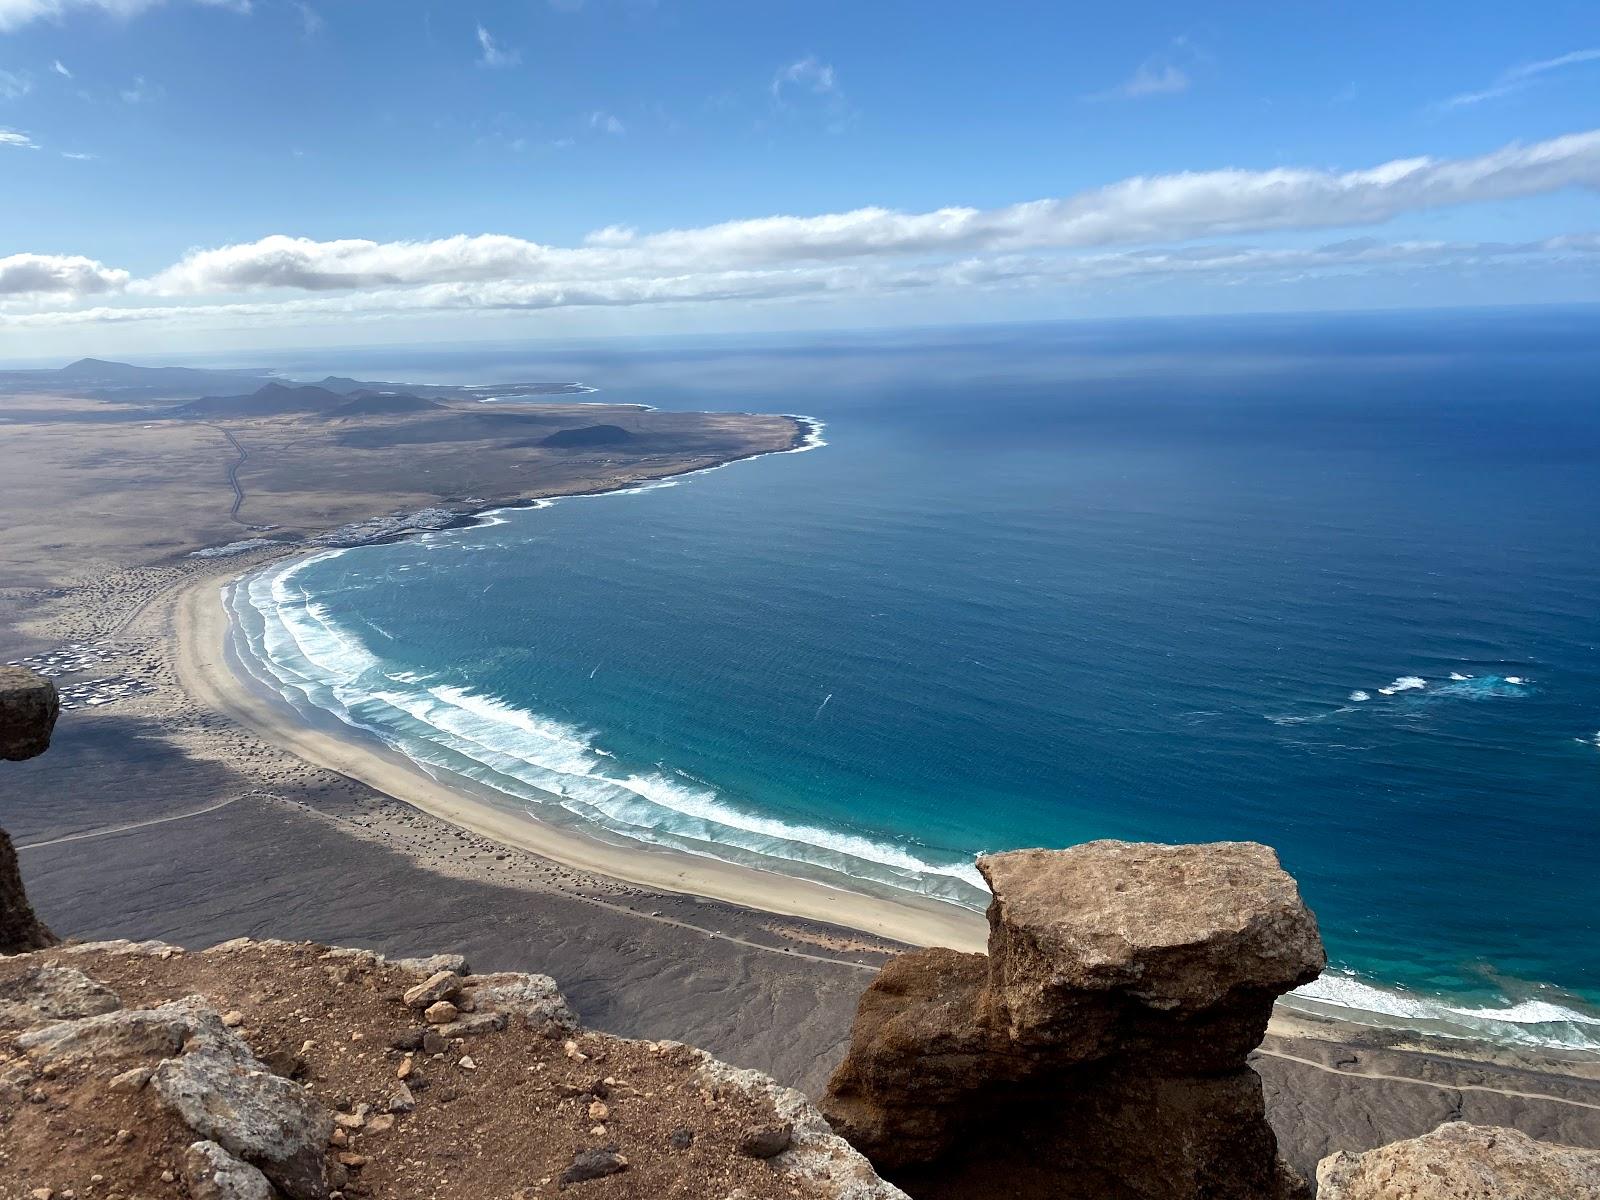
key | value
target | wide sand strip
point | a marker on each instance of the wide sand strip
(200, 623)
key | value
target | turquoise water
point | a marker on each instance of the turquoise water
(1326, 583)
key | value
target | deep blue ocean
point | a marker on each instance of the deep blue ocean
(1330, 583)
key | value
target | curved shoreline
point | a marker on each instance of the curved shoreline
(205, 672)
(210, 671)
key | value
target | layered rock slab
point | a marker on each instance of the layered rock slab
(1105, 1032)
(1458, 1161)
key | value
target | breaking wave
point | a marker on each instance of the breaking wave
(555, 771)
(1526, 1022)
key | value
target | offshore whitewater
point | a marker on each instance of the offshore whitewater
(1328, 583)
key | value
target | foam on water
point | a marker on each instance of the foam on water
(554, 769)
(1522, 1022)
(296, 647)
(1406, 683)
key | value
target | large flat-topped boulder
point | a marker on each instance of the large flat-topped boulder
(1458, 1161)
(1106, 1031)
(28, 709)
(1176, 927)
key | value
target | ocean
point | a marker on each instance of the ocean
(1326, 582)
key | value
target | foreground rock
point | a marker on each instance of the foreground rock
(1105, 1033)
(28, 710)
(1463, 1162)
(273, 1069)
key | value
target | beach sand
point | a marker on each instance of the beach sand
(199, 621)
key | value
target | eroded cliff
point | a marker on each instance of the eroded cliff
(1098, 1050)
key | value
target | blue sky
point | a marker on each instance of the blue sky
(216, 172)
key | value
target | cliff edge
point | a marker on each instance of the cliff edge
(1099, 1049)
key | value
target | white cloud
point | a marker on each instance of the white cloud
(1158, 221)
(494, 54)
(57, 275)
(139, 91)
(1514, 79)
(1219, 266)
(13, 86)
(77, 155)
(607, 123)
(16, 13)
(809, 89)
(60, 70)
(14, 137)
(1162, 74)
(1155, 79)
(1141, 210)
(807, 74)
(311, 22)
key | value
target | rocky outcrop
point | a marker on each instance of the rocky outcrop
(214, 1174)
(206, 1075)
(1098, 1050)
(46, 993)
(219, 1089)
(28, 709)
(289, 1070)
(1458, 1161)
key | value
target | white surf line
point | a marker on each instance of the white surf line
(98, 833)
(1445, 1087)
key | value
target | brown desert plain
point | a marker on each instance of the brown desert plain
(177, 804)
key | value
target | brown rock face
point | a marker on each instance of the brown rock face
(1098, 1049)
(1463, 1162)
(28, 709)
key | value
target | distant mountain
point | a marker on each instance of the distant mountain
(379, 404)
(271, 400)
(588, 435)
(102, 379)
(105, 380)
(343, 383)
(308, 399)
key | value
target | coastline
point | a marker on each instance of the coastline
(204, 672)
(207, 669)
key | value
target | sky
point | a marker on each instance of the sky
(192, 175)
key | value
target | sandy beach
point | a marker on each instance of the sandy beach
(204, 672)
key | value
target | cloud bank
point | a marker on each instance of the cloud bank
(57, 275)
(1142, 228)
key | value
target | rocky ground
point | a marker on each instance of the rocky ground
(140, 1070)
